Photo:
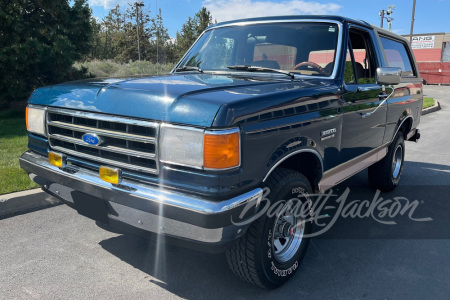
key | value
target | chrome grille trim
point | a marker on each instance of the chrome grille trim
(107, 148)
(132, 143)
(80, 128)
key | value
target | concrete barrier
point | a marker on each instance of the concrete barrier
(436, 107)
(19, 202)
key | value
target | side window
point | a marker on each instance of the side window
(360, 63)
(397, 56)
(363, 56)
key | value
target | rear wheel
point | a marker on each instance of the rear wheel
(273, 247)
(385, 174)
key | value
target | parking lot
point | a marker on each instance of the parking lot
(55, 253)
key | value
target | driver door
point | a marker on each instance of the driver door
(361, 95)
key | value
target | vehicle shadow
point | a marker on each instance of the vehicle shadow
(336, 265)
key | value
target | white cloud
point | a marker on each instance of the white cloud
(224, 10)
(108, 4)
(398, 31)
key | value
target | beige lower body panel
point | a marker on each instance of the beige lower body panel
(338, 174)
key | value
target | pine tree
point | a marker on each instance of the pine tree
(192, 29)
(204, 19)
(162, 51)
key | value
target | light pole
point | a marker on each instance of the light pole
(389, 13)
(412, 22)
(138, 4)
(382, 17)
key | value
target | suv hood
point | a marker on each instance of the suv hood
(193, 99)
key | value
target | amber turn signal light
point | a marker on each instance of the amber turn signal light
(57, 159)
(26, 118)
(111, 175)
(221, 151)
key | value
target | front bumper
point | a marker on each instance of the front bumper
(149, 208)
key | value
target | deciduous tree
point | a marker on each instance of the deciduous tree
(39, 42)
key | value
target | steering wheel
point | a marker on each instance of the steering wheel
(311, 64)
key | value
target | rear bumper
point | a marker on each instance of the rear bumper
(194, 220)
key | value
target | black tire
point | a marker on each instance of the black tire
(253, 257)
(381, 174)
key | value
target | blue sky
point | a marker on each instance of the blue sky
(431, 15)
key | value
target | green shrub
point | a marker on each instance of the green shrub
(109, 68)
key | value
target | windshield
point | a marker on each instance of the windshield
(299, 47)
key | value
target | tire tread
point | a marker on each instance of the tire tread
(241, 257)
(380, 172)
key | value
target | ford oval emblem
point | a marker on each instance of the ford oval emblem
(92, 139)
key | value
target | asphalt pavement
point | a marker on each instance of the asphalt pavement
(54, 253)
(439, 93)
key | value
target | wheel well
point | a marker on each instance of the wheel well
(405, 128)
(306, 163)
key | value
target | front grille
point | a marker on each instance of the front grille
(126, 143)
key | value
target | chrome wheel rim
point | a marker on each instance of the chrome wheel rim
(287, 235)
(397, 161)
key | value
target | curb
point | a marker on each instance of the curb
(436, 107)
(14, 203)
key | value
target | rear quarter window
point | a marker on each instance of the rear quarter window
(397, 56)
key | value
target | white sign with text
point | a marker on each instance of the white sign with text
(423, 42)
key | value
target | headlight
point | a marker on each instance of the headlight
(212, 150)
(182, 146)
(35, 119)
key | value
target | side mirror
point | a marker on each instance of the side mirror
(389, 76)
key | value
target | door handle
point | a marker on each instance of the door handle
(385, 96)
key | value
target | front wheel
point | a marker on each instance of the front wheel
(385, 174)
(273, 247)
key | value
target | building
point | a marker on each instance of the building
(432, 52)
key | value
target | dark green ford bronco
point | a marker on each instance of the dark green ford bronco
(258, 113)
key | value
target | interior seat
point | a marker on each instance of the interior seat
(360, 71)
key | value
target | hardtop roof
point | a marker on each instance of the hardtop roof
(312, 17)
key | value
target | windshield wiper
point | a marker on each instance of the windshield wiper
(188, 68)
(260, 69)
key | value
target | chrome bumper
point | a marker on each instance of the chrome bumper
(146, 207)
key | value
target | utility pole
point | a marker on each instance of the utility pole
(412, 21)
(138, 4)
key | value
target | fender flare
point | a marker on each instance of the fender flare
(400, 126)
(292, 154)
